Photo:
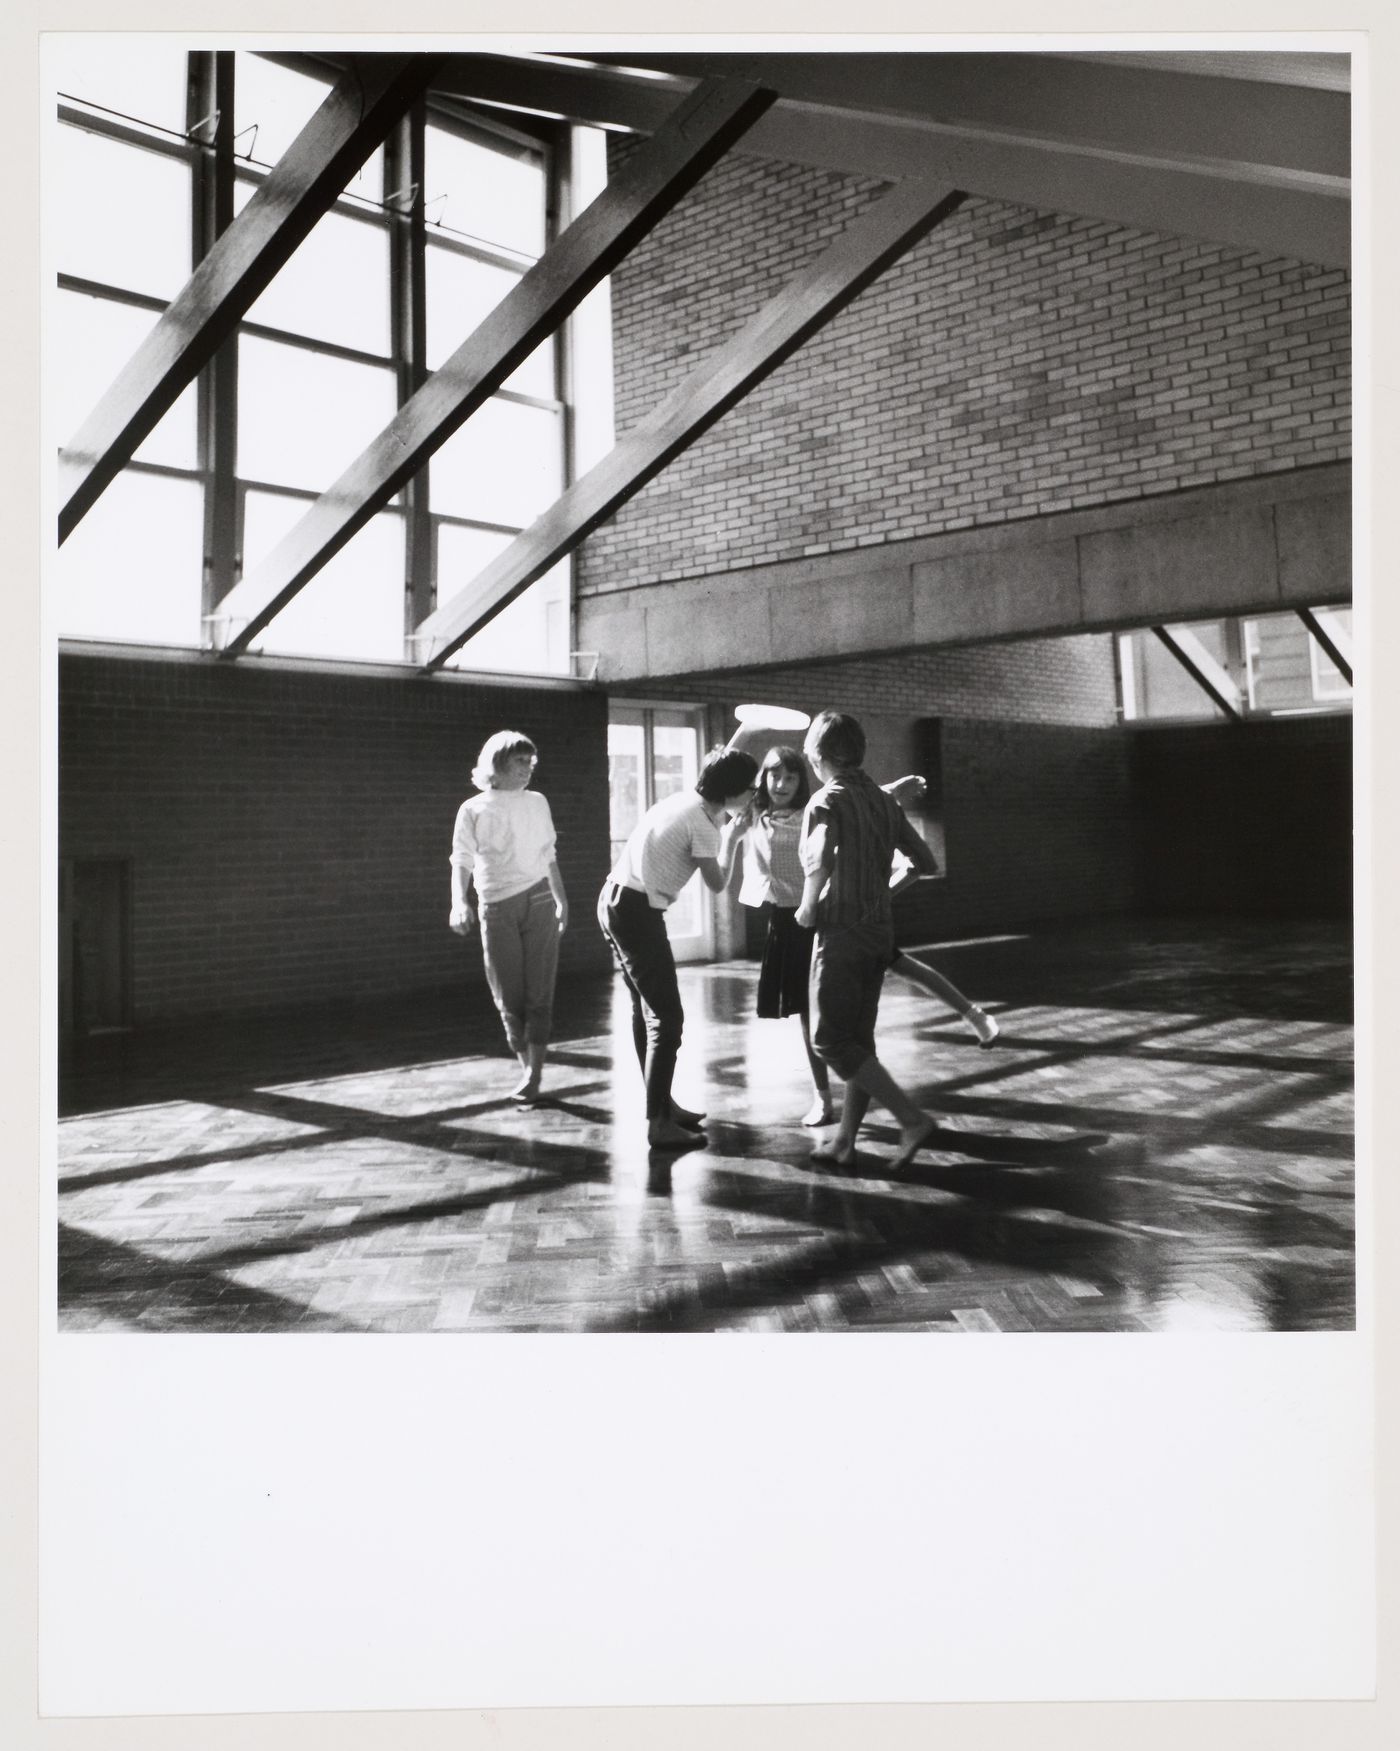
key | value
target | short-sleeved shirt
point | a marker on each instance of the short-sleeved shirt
(772, 864)
(852, 829)
(505, 838)
(666, 847)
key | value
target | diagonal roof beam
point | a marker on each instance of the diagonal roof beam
(698, 134)
(1144, 178)
(1331, 637)
(365, 102)
(877, 239)
(1203, 669)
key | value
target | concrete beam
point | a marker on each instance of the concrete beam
(1009, 588)
(1268, 173)
(1156, 112)
(1242, 547)
(1314, 551)
(1185, 569)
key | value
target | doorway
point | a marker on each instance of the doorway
(94, 948)
(653, 752)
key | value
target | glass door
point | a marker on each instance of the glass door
(653, 752)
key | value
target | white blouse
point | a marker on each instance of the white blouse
(506, 839)
(772, 866)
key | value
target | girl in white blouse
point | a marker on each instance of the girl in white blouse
(503, 847)
(772, 881)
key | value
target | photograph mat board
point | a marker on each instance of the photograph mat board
(240, 1524)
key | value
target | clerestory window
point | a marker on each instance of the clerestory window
(424, 240)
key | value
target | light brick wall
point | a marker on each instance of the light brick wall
(1014, 363)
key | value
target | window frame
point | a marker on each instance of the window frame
(216, 169)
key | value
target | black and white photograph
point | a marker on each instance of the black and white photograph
(702, 691)
(706, 734)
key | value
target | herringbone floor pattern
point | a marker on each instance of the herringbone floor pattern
(1162, 1141)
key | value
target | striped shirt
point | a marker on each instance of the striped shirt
(666, 847)
(772, 860)
(852, 830)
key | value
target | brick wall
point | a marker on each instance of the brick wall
(1047, 680)
(288, 831)
(1034, 776)
(1051, 811)
(1253, 818)
(1036, 828)
(1014, 363)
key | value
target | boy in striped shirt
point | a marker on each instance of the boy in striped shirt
(850, 833)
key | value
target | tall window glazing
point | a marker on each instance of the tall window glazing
(389, 283)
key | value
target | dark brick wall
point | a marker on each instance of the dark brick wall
(288, 831)
(1014, 363)
(1253, 818)
(1051, 811)
(1036, 828)
(1036, 806)
(1044, 680)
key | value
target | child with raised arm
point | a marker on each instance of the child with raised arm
(851, 831)
(771, 832)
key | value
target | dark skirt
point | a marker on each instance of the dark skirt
(787, 962)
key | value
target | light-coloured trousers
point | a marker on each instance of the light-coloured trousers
(520, 946)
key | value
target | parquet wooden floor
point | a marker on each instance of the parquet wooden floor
(1162, 1141)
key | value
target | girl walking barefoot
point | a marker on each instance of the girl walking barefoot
(503, 848)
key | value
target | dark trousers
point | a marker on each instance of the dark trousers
(636, 933)
(848, 968)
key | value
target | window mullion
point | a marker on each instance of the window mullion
(405, 170)
(562, 183)
(212, 95)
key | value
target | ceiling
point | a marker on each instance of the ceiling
(1247, 149)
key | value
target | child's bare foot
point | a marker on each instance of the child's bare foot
(838, 1152)
(526, 1092)
(821, 1112)
(683, 1116)
(912, 1139)
(665, 1134)
(983, 1026)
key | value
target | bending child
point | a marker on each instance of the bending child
(674, 838)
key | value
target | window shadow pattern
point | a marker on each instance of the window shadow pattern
(1112, 1166)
